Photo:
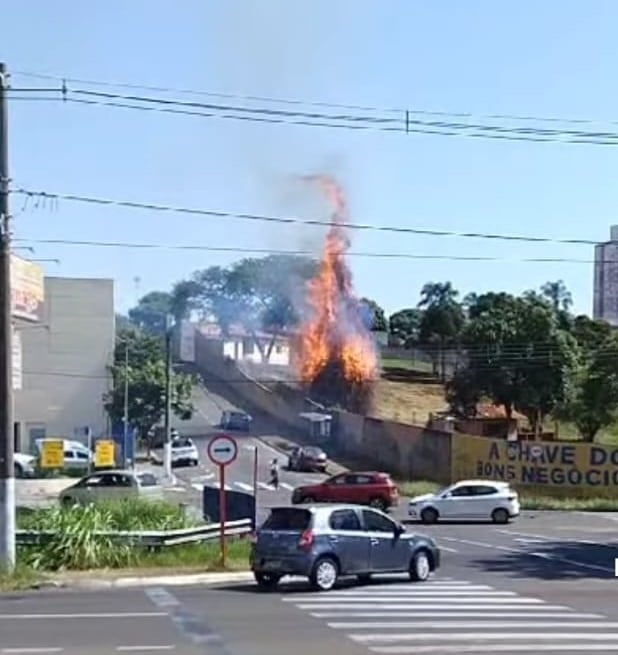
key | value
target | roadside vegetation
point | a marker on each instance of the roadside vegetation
(75, 547)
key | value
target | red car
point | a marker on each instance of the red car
(359, 488)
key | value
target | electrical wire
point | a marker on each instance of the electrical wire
(45, 195)
(405, 124)
(298, 102)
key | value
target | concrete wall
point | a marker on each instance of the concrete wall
(65, 360)
(407, 451)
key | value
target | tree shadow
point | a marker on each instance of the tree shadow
(559, 560)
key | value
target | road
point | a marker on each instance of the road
(209, 402)
(543, 584)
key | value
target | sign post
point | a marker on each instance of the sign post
(222, 451)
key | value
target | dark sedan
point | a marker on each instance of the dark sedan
(307, 458)
(236, 420)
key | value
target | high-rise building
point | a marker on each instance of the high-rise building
(606, 279)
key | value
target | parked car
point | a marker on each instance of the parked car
(112, 485)
(76, 454)
(307, 458)
(236, 420)
(184, 451)
(468, 499)
(24, 465)
(362, 488)
(326, 542)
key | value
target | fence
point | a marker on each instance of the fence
(150, 538)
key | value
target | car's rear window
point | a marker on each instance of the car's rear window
(182, 443)
(288, 518)
(313, 452)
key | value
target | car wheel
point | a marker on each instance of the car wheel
(378, 503)
(420, 566)
(266, 580)
(67, 501)
(429, 515)
(364, 578)
(308, 500)
(500, 515)
(19, 471)
(325, 574)
(195, 462)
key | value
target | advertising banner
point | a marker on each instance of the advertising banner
(551, 468)
(27, 290)
(52, 454)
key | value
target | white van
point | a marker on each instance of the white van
(76, 454)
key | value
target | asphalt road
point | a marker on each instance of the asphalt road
(209, 402)
(544, 584)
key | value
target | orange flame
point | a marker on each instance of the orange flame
(335, 332)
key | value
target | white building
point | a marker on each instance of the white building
(606, 279)
(241, 346)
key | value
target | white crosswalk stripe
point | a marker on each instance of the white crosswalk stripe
(247, 487)
(444, 616)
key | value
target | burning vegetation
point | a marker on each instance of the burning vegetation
(336, 356)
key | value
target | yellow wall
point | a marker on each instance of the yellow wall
(546, 468)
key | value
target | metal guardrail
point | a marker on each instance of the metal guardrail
(150, 538)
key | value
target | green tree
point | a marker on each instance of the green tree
(257, 293)
(442, 321)
(151, 311)
(376, 318)
(593, 401)
(405, 326)
(517, 356)
(146, 383)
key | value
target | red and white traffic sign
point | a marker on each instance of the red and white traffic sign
(222, 450)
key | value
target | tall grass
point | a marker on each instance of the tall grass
(75, 544)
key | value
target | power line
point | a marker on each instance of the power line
(309, 103)
(405, 124)
(110, 202)
(309, 253)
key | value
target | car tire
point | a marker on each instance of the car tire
(195, 462)
(325, 574)
(363, 578)
(429, 515)
(308, 500)
(378, 503)
(266, 580)
(67, 501)
(500, 515)
(19, 471)
(420, 566)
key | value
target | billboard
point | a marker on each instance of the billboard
(27, 290)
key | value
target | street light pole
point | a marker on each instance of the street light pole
(7, 471)
(167, 450)
(125, 418)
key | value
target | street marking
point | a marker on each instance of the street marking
(285, 485)
(446, 549)
(395, 590)
(487, 636)
(134, 649)
(545, 556)
(263, 485)
(102, 615)
(30, 651)
(244, 485)
(458, 615)
(459, 625)
(537, 538)
(198, 487)
(418, 596)
(161, 598)
(411, 605)
(497, 648)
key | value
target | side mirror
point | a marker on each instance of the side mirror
(399, 529)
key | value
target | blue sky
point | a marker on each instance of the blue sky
(552, 58)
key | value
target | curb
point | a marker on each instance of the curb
(128, 582)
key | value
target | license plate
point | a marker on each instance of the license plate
(272, 564)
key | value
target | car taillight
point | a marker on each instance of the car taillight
(306, 540)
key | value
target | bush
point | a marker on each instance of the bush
(75, 545)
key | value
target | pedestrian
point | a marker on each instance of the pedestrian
(274, 473)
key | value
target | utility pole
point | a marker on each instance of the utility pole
(7, 471)
(167, 449)
(125, 415)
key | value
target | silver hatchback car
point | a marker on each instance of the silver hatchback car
(326, 542)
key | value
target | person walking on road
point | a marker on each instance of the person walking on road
(274, 473)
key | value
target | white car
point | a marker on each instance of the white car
(468, 499)
(76, 454)
(24, 465)
(184, 451)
